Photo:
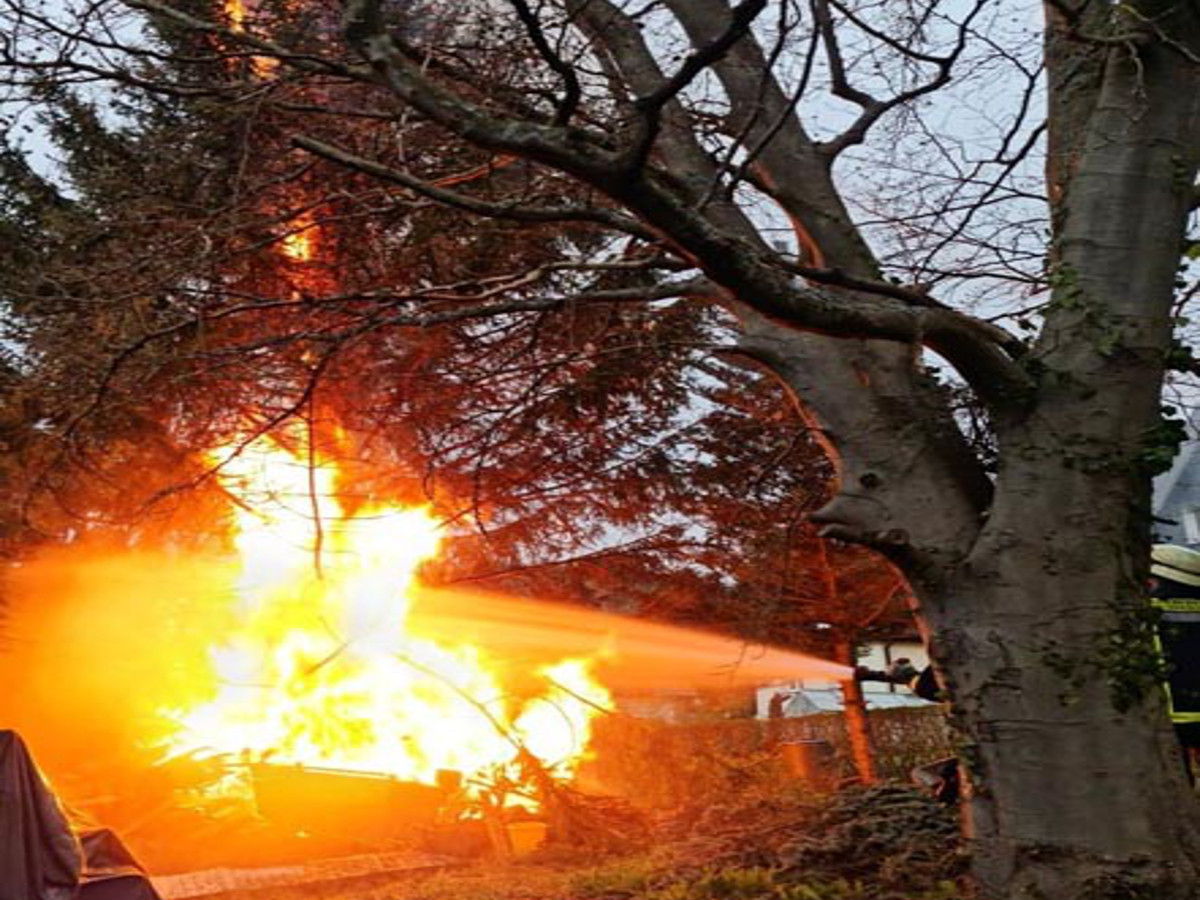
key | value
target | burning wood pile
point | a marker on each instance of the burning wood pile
(338, 716)
(307, 696)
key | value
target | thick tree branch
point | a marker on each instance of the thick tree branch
(621, 46)
(756, 132)
(491, 209)
(788, 166)
(649, 107)
(747, 273)
(575, 150)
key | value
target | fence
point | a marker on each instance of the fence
(662, 765)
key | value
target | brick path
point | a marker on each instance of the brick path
(212, 882)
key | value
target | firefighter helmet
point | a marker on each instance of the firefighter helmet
(1178, 564)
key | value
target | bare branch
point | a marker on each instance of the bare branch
(516, 212)
(873, 109)
(649, 107)
(533, 27)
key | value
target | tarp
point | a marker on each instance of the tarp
(109, 870)
(42, 856)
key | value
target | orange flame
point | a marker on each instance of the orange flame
(236, 13)
(321, 670)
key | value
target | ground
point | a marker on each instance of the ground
(629, 879)
(887, 842)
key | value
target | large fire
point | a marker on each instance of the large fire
(322, 671)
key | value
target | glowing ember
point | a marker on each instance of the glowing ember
(321, 670)
(300, 242)
(236, 12)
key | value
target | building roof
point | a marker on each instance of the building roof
(811, 701)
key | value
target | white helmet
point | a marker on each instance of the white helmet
(1178, 564)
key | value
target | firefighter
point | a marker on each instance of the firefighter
(941, 777)
(922, 682)
(1175, 593)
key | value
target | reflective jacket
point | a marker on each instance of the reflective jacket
(1179, 642)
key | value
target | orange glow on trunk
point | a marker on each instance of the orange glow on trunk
(235, 14)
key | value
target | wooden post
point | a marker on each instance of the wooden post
(858, 728)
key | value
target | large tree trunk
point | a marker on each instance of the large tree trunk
(1028, 588)
(1044, 637)
(1049, 660)
(1040, 628)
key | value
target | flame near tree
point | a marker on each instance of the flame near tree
(322, 671)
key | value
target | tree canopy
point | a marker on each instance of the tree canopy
(587, 210)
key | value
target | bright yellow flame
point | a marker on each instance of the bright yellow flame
(321, 670)
(300, 243)
(235, 14)
(556, 725)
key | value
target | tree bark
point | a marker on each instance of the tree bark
(1029, 586)
(1042, 634)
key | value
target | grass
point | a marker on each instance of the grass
(476, 883)
(886, 842)
(637, 878)
(640, 882)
